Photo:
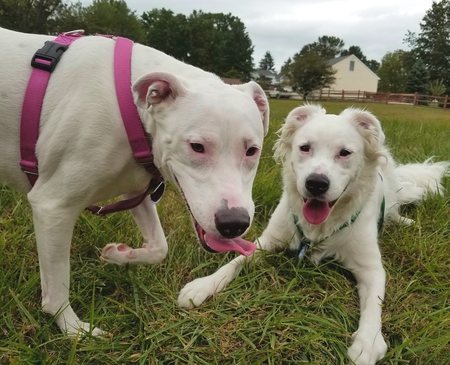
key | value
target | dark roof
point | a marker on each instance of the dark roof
(333, 61)
(267, 73)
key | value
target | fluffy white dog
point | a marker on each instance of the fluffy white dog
(340, 182)
(207, 138)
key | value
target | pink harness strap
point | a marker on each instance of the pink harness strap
(128, 110)
(135, 131)
(44, 62)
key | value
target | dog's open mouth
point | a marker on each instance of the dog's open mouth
(215, 244)
(317, 211)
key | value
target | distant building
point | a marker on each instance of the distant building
(353, 74)
(271, 77)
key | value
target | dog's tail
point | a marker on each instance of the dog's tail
(416, 180)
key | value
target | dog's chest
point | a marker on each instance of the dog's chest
(318, 243)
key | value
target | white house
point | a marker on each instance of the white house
(352, 74)
(272, 77)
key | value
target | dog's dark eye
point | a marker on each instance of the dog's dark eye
(344, 153)
(305, 148)
(197, 147)
(251, 151)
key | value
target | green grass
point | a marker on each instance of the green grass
(279, 311)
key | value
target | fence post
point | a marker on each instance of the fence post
(364, 96)
(387, 97)
(416, 99)
(357, 98)
(445, 102)
(328, 97)
(343, 95)
(320, 94)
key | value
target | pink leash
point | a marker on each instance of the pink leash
(44, 61)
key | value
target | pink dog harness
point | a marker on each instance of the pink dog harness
(44, 62)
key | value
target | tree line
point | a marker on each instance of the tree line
(424, 69)
(219, 43)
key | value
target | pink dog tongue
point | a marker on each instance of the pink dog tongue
(315, 211)
(238, 244)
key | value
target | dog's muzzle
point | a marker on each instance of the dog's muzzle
(230, 223)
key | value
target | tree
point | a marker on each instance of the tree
(284, 73)
(356, 50)
(29, 16)
(55, 16)
(309, 69)
(436, 87)
(72, 16)
(217, 43)
(267, 62)
(392, 72)
(374, 65)
(327, 47)
(114, 17)
(102, 17)
(167, 32)
(418, 78)
(432, 44)
(306, 73)
(233, 74)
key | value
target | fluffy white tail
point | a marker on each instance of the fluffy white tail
(416, 180)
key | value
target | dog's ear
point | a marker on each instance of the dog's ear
(369, 127)
(157, 87)
(295, 119)
(259, 96)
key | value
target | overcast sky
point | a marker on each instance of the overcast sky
(283, 27)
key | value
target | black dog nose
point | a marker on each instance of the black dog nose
(317, 184)
(232, 222)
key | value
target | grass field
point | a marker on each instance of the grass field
(279, 311)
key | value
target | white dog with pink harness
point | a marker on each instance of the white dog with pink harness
(205, 137)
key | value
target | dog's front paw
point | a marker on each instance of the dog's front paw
(366, 350)
(121, 254)
(70, 325)
(197, 291)
(83, 328)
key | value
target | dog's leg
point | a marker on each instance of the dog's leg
(197, 291)
(368, 344)
(154, 249)
(277, 234)
(393, 215)
(53, 222)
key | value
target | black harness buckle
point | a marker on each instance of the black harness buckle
(47, 57)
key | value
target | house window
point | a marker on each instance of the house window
(352, 65)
